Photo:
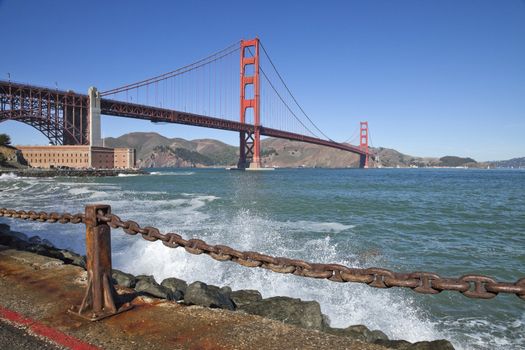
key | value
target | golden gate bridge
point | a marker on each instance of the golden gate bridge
(205, 93)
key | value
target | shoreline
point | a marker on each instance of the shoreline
(296, 312)
(51, 173)
(32, 172)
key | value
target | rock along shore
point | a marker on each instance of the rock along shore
(304, 314)
(32, 172)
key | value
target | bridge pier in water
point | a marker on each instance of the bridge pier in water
(249, 151)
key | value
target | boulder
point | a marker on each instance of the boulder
(326, 321)
(123, 279)
(199, 293)
(393, 344)
(305, 314)
(8, 240)
(72, 258)
(5, 229)
(369, 336)
(441, 344)
(245, 296)
(176, 286)
(345, 333)
(48, 243)
(35, 240)
(145, 277)
(39, 249)
(374, 335)
(19, 244)
(148, 285)
(226, 290)
(422, 345)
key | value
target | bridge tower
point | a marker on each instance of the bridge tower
(95, 138)
(363, 144)
(250, 142)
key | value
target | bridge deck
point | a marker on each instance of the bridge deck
(14, 95)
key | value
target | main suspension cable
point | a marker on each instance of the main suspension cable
(197, 64)
(293, 97)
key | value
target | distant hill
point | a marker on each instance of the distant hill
(284, 153)
(387, 157)
(511, 163)
(452, 161)
(154, 150)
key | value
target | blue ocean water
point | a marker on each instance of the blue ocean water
(448, 221)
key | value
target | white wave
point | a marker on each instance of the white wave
(79, 190)
(8, 176)
(175, 173)
(472, 332)
(127, 175)
(99, 195)
(345, 304)
(313, 226)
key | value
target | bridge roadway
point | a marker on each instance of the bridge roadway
(33, 104)
(156, 114)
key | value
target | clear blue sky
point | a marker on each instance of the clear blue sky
(433, 78)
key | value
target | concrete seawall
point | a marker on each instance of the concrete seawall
(33, 172)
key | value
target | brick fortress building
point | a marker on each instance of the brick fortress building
(93, 155)
(78, 157)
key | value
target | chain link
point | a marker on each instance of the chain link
(63, 218)
(472, 286)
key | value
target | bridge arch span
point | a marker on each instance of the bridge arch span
(60, 116)
(52, 131)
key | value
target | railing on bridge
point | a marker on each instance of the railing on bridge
(102, 301)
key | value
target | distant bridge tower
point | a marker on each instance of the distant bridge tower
(363, 144)
(250, 142)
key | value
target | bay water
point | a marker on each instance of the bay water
(448, 221)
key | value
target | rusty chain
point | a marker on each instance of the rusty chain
(63, 218)
(472, 286)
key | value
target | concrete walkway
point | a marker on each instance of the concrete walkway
(43, 289)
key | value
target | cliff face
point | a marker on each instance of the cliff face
(11, 158)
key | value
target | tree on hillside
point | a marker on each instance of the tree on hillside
(5, 140)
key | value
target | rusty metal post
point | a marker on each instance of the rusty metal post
(101, 299)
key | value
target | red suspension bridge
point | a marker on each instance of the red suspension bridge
(205, 93)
